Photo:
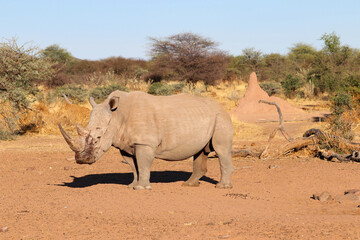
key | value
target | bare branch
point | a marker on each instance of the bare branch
(66, 99)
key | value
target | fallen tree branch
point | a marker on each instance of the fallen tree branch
(245, 153)
(280, 128)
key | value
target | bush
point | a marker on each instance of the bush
(101, 93)
(291, 84)
(21, 68)
(187, 57)
(74, 93)
(271, 88)
(162, 89)
(341, 120)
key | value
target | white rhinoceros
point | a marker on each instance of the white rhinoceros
(144, 127)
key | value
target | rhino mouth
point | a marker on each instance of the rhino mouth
(82, 145)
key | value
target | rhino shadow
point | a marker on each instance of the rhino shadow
(127, 178)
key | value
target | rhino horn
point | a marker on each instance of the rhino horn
(73, 144)
(92, 102)
(82, 131)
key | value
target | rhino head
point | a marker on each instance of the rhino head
(94, 140)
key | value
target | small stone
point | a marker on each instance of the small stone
(322, 197)
(272, 166)
(353, 191)
(66, 168)
(4, 229)
(346, 198)
(189, 223)
(224, 236)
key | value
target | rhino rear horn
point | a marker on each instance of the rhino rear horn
(92, 102)
(82, 131)
(73, 144)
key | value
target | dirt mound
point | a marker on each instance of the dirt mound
(250, 110)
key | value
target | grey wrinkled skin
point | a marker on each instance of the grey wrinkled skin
(144, 127)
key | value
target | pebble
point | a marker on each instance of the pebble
(272, 166)
(224, 236)
(353, 191)
(346, 198)
(4, 229)
(322, 197)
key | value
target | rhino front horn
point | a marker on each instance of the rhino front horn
(73, 144)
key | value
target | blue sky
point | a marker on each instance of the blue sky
(100, 29)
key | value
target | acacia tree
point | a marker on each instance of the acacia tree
(189, 57)
(57, 54)
(21, 67)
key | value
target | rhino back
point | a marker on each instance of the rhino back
(177, 126)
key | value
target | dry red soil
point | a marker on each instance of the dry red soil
(44, 194)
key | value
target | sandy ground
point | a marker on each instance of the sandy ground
(44, 194)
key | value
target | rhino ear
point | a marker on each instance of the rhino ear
(114, 103)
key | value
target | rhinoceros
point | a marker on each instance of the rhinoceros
(144, 127)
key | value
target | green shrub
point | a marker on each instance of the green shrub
(101, 93)
(291, 84)
(21, 69)
(76, 94)
(178, 87)
(162, 89)
(340, 123)
(271, 88)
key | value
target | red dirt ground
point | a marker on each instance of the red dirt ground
(44, 194)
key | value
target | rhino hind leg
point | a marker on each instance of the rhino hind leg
(222, 144)
(144, 158)
(200, 169)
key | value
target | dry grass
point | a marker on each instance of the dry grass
(44, 119)
(248, 131)
(227, 94)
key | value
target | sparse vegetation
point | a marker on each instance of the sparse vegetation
(187, 57)
(75, 93)
(101, 93)
(161, 89)
(21, 69)
(183, 62)
(271, 88)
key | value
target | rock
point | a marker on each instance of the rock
(322, 197)
(224, 236)
(272, 166)
(353, 191)
(66, 168)
(350, 197)
(4, 229)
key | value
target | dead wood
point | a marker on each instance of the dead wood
(312, 139)
(280, 128)
(245, 153)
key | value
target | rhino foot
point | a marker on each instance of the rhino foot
(132, 185)
(139, 187)
(191, 184)
(223, 186)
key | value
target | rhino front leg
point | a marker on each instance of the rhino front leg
(131, 161)
(144, 158)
